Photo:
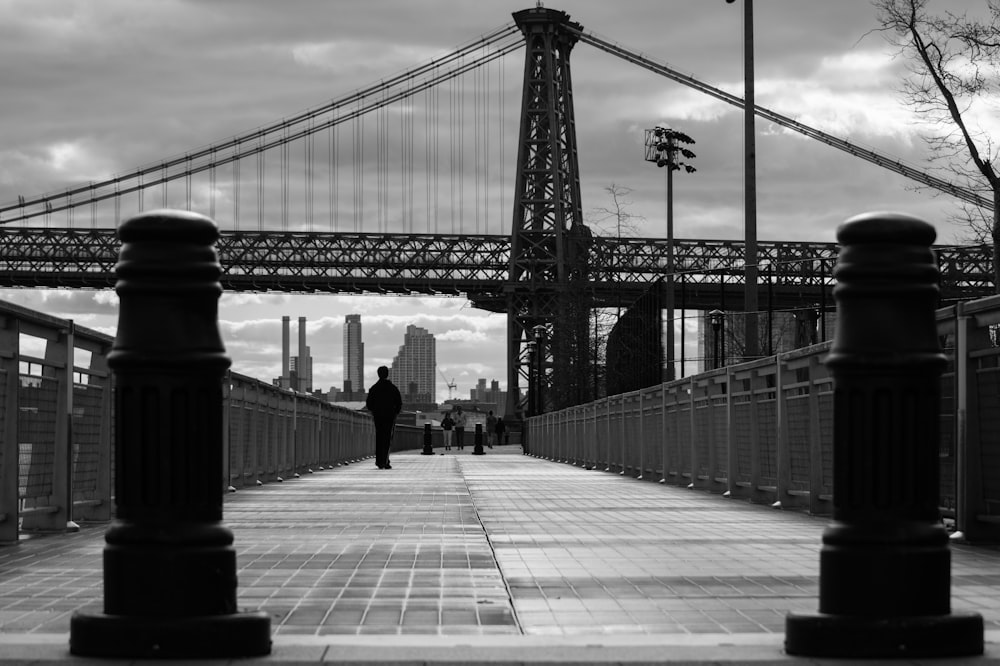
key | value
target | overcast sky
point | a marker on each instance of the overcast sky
(96, 88)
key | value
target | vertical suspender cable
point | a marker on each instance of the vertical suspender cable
(379, 166)
(409, 163)
(187, 183)
(427, 160)
(211, 187)
(308, 148)
(477, 131)
(284, 182)
(461, 147)
(437, 146)
(403, 107)
(486, 148)
(236, 194)
(409, 160)
(333, 156)
(260, 190)
(502, 120)
(452, 139)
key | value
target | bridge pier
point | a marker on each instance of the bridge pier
(169, 563)
(885, 565)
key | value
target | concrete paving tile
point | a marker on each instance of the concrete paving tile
(488, 546)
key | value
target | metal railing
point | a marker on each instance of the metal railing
(763, 430)
(754, 430)
(56, 427)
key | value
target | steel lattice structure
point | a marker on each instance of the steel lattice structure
(473, 265)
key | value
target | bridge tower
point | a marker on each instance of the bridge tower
(548, 306)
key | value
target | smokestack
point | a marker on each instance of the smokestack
(285, 352)
(303, 371)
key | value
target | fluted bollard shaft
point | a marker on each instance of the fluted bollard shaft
(169, 564)
(428, 449)
(478, 441)
(885, 565)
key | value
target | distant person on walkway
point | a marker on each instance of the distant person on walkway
(459, 428)
(501, 430)
(491, 429)
(384, 403)
(447, 425)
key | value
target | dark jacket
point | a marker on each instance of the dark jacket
(383, 400)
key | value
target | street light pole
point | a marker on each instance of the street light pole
(750, 301)
(662, 148)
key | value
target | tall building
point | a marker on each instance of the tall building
(354, 355)
(413, 370)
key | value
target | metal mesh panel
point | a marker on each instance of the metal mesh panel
(826, 437)
(633, 442)
(703, 432)
(798, 440)
(3, 420)
(742, 413)
(684, 439)
(271, 442)
(767, 441)
(235, 434)
(720, 438)
(36, 436)
(86, 423)
(260, 439)
(988, 380)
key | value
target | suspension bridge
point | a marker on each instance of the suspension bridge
(376, 192)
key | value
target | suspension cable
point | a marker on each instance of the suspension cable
(892, 164)
(238, 147)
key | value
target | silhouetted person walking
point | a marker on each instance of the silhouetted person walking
(384, 402)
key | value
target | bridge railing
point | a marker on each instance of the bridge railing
(756, 430)
(56, 426)
(763, 430)
(970, 451)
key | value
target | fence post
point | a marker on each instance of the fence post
(169, 563)
(478, 441)
(428, 441)
(783, 457)
(885, 566)
(9, 382)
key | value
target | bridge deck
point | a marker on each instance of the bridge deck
(505, 556)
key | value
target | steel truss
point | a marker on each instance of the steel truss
(476, 266)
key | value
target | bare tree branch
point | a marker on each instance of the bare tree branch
(954, 65)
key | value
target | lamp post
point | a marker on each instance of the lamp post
(752, 342)
(539, 333)
(717, 319)
(531, 351)
(662, 148)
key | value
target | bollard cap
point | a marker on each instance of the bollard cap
(167, 225)
(885, 227)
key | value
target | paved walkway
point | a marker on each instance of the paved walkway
(498, 558)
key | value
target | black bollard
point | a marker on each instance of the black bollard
(478, 450)
(428, 441)
(169, 563)
(885, 565)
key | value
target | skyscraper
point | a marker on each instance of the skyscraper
(415, 365)
(354, 355)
